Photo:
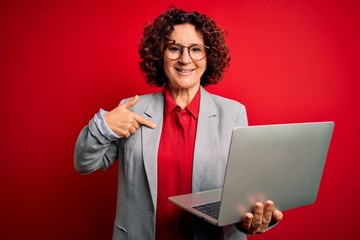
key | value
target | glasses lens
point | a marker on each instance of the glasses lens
(173, 51)
(197, 52)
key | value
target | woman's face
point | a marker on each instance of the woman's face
(185, 73)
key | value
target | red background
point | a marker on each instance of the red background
(292, 61)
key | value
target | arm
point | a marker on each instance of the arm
(97, 145)
(93, 151)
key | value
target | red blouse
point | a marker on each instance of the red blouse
(175, 159)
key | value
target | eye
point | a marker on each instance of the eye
(196, 49)
(174, 48)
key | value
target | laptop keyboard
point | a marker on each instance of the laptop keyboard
(212, 209)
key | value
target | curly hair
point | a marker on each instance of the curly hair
(157, 34)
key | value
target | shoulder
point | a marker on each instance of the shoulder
(226, 102)
(142, 98)
(221, 102)
(145, 100)
(224, 108)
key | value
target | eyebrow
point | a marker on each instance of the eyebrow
(174, 42)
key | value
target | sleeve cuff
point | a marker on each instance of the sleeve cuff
(103, 127)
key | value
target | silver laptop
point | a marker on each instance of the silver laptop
(283, 163)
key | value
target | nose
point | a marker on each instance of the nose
(185, 56)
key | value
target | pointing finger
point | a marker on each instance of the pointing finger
(143, 121)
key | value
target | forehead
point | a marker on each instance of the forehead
(186, 34)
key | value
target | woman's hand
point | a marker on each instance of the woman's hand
(123, 122)
(259, 220)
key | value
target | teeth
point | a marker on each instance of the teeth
(184, 71)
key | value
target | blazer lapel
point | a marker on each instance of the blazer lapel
(207, 121)
(151, 140)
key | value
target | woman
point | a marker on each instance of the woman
(172, 142)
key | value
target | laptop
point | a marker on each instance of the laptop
(282, 162)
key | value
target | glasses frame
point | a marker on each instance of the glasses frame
(188, 50)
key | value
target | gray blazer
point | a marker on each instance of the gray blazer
(137, 166)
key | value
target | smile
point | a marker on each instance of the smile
(184, 71)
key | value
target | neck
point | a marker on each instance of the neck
(183, 97)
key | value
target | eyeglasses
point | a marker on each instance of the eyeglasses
(196, 52)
